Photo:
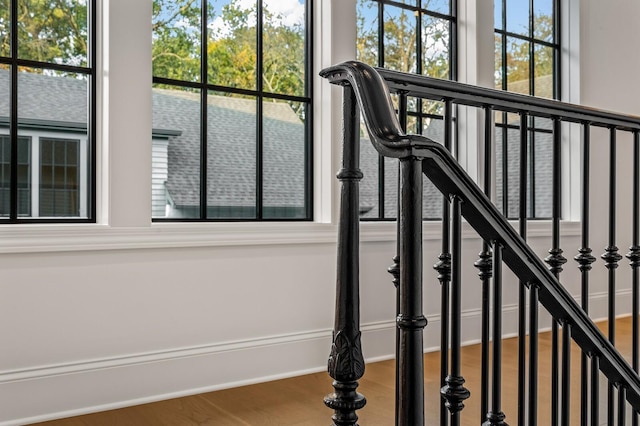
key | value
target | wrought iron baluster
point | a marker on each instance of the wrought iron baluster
(394, 269)
(555, 260)
(522, 297)
(453, 392)
(484, 266)
(346, 363)
(595, 390)
(622, 396)
(585, 259)
(443, 267)
(634, 261)
(495, 417)
(411, 320)
(566, 373)
(611, 258)
(533, 354)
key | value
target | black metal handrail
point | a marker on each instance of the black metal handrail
(367, 88)
(465, 94)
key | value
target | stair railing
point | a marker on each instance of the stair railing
(368, 90)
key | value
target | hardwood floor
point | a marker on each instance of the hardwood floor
(298, 401)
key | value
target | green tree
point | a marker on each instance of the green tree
(176, 39)
(400, 40)
(400, 31)
(233, 54)
(519, 59)
(48, 31)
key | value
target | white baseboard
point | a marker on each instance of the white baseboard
(54, 391)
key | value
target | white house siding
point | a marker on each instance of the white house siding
(159, 174)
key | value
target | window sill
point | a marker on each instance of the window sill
(91, 237)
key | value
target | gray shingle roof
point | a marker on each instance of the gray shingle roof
(231, 155)
(46, 98)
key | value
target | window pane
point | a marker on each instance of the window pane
(440, 6)
(284, 153)
(497, 14)
(399, 39)
(499, 78)
(543, 173)
(435, 47)
(53, 99)
(176, 152)
(543, 71)
(369, 185)
(24, 176)
(391, 187)
(231, 156)
(176, 39)
(518, 65)
(53, 32)
(5, 29)
(367, 39)
(58, 103)
(431, 200)
(284, 48)
(59, 178)
(543, 20)
(518, 17)
(232, 47)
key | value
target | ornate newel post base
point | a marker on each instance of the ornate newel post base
(346, 363)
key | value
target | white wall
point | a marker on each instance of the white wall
(124, 312)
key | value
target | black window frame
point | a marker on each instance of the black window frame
(204, 88)
(533, 127)
(14, 62)
(418, 114)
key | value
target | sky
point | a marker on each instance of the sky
(292, 12)
(518, 14)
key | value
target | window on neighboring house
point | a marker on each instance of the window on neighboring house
(47, 106)
(527, 61)
(231, 110)
(416, 36)
(59, 177)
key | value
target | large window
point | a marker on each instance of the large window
(47, 90)
(232, 110)
(416, 36)
(527, 61)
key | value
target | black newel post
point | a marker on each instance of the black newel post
(346, 363)
(410, 321)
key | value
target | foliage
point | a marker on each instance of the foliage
(53, 31)
(231, 48)
(400, 43)
(519, 60)
(400, 40)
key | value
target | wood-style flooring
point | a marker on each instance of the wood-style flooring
(298, 401)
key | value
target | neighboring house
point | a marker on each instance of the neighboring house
(53, 157)
(52, 146)
(231, 157)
